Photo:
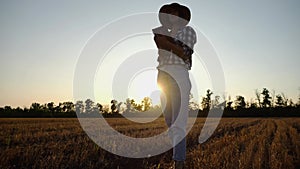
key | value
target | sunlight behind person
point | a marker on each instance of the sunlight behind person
(143, 84)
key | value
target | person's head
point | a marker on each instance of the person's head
(174, 14)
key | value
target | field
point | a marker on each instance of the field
(258, 143)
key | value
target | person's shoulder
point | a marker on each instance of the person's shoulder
(190, 34)
(158, 30)
(189, 29)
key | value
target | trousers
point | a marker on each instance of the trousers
(175, 84)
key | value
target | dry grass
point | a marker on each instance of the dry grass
(237, 143)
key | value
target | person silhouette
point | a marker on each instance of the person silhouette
(175, 41)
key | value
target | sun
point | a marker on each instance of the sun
(144, 84)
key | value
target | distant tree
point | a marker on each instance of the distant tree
(68, 106)
(253, 105)
(298, 104)
(192, 105)
(35, 106)
(89, 106)
(147, 103)
(257, 94)
(100, 107)
(79, 106)
(7, 108)
(206, 101)
(19, 109)
(229, 104)
(113, 107)
(44, 107)
(273, 98)
(128, 106)
(216, 101)
(266, 98)
(58, 108)
(279, 101)
(50, 106)
(137, 107)
(105, 109)
(285, 99)
(291, 103)
(132, 103)
(25, 110)
(119, 107)
(240, 102)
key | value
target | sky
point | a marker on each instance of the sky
(257, 43)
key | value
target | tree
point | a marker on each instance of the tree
(228, 103)
(89, 106)
(285, 100)
(35, 106)
(216, 102)
(273, 98)
(266, 98)
(79, 106)
(192, 105)
(253, 104)
(128, 106)
(119, 107)
(50, 106)
(240, 102)
(7, 108)
(147, 103)
(298, 104)
(291, 103)
(66, 107)
(113, 107)
(137, 107)
(257, 94)
(279, 101)
(100, 107)
(206, 101)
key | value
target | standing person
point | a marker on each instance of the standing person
(175, 41)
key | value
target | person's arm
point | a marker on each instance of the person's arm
(162, 42)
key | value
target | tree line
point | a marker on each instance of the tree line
(266, 104)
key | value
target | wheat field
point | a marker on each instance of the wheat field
(242, 143)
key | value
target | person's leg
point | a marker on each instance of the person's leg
(163, 81)
(176, 85)
(181, 87)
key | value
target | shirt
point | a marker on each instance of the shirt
(186, 38)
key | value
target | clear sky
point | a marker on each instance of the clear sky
(258, 43)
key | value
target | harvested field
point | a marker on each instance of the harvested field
(243, 143)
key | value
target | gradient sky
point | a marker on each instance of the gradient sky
(258, 43)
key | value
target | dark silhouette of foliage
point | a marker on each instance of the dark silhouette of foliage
(279, 101)
(264, 107)
(266, 98)
(240, 102)
(206, 101)
(79, 106)
(115, 106)
(257, 94)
